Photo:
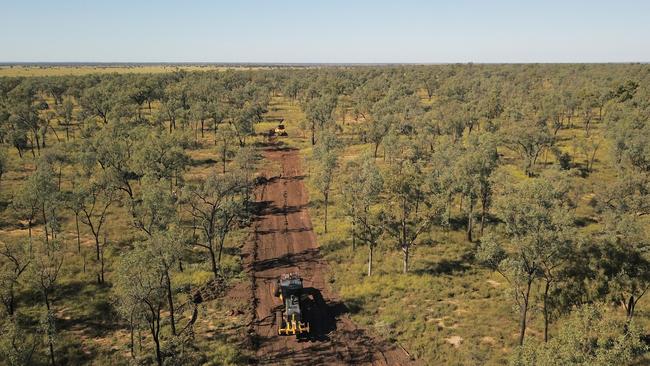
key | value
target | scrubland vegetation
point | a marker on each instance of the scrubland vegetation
(474, 214)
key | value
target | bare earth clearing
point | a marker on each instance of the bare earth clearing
(283, 242)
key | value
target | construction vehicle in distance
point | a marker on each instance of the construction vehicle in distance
(280, 131)
(289, 289)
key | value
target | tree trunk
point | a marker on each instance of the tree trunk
(222, 240)
(45, 225)
(155, 335)
(469, 219)
(405, 249)
(326, 204)
(29, 234)
(76, 220)
(101, 263)
(170, 299)
(354, 235)
(630, 307)
(132, 344)
(52, 360)
(98, 256)
(38, 143)
(213, 262)
(370, 252)
(224, 157)
(10, 302)
(524, 314)
(546, 289)
(483, 213)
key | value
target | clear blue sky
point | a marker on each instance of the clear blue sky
(325, 31)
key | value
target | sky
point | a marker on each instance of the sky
(332, 31)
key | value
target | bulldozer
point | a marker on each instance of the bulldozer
(290, 291)
(280, 131)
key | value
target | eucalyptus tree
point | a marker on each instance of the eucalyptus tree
(244, 163)
(98, 100)
(475, 167)
(215, 205)
(37, 196)
(165, 249)
(73, 200)
(14, 260)
(137, 93)
(590, 336)
(413, 205)
(174, 107)
(65, 114)
(44, 272)
(18, 343)
(45, 269)
(325, 157)
(629, 130)
(244, 107)
(292, 88)
(431, 81)
(112, 148)
(361, 186)
(56, 87)
(536, 239)
(529, 140)
(96, 196)
(444, 176)
(623, 242)
(155, 207)
(397, 110)
(224, 139)
(319, 113)
(141, 294)
(622, 246)
(161, 156)
(24, 114)
(200, 113)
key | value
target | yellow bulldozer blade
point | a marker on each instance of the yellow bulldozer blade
(293, 327)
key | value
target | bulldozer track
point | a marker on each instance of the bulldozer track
(283, 241)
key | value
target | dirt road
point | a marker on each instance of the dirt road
(285, 242)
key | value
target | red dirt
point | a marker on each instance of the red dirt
(284, 242)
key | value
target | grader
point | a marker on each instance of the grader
(290, 290)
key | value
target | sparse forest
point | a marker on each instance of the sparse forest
(470, 214)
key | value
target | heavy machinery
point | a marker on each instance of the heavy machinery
(289, 289)
(280, 131)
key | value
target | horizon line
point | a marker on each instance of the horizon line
(265, 63)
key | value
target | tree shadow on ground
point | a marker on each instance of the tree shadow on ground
(303, 259)
(447, 266)
(200, 162)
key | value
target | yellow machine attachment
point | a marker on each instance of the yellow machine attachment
(292, 326)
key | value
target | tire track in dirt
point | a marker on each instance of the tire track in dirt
(283, 241)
